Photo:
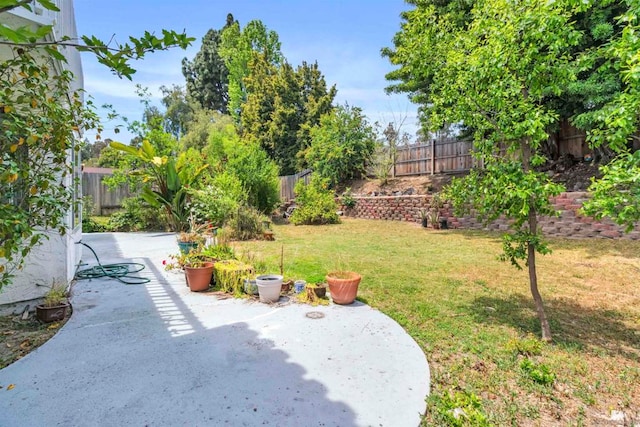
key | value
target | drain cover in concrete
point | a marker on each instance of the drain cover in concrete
(315, 315)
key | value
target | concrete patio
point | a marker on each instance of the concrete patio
(159, 355)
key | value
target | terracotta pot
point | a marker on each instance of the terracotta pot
(199, 278)
(343, 286)
(51, 314)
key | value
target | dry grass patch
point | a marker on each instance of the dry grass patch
(474, 317)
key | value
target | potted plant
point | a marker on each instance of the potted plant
(55, 305)
(434, 210)
(424, 217)
(343, 286)
(316, 290)
(193, 238)
(198, 271)
(269, 287)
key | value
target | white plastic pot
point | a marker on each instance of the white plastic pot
(269, 286)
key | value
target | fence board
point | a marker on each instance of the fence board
(288, 183)
(105, 199)
(437, 156)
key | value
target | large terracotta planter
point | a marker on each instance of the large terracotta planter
(343, 286)
(199, 278)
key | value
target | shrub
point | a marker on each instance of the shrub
(315, 204)
(89, 225)
(246, 223)
(229, 275)
(217, 201)
(342, 145)
(137, 215)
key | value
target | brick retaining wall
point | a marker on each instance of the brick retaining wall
(569, 224)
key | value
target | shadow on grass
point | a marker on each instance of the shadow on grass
(572, 325)
(596, 248)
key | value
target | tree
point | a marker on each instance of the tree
(207, 75)
(617, 193)
(596, 82)
(505, 64)
(41, 117)
(282, 107)
(178, 112)
(237, 49)
(342, 145)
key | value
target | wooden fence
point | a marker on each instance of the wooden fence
(436, 156)
(288, 182)
(105, 200)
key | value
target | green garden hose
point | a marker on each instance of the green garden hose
(122, 272)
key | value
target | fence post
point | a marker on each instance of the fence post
(433, 157)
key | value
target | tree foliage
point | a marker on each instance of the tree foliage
(505, 62)
(238, 46)
(207, 75)
(283, 105)
(342, 145)
(41, 117)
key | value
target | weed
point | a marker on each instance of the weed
(538, 372)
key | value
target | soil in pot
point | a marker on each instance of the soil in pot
(199, 278)
(343, 286)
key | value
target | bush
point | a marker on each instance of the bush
(89, 225)
(246, 223)
(137, 215)
(342, 146)
(315, 204)
(258, 174)
(217, 201)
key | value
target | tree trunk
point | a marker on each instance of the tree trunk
(533, 280)
(531, 251)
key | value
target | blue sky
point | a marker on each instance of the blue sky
(344, 36)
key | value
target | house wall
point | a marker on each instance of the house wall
(56, 259)
(569, 224)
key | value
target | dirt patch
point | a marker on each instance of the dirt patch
(20, 337)
(574, 175)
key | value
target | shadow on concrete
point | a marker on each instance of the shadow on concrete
(137, 355)
(573, 325)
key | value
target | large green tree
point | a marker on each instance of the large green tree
(617, 194)
(597, 81)
(207, 75)
(283, 105)
(238, 47)
(495, 76)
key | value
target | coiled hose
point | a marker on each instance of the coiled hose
(122, 272)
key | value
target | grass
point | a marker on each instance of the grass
(474, 317)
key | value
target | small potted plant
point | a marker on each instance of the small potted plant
(424, 217)
(316, 290)
(434, 210)
(190, 240)
(343, 286)
(55, 305)
(198, 272)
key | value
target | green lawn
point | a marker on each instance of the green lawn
(474, 318)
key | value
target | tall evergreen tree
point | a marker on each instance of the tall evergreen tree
(207, 75)
(283, 105)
